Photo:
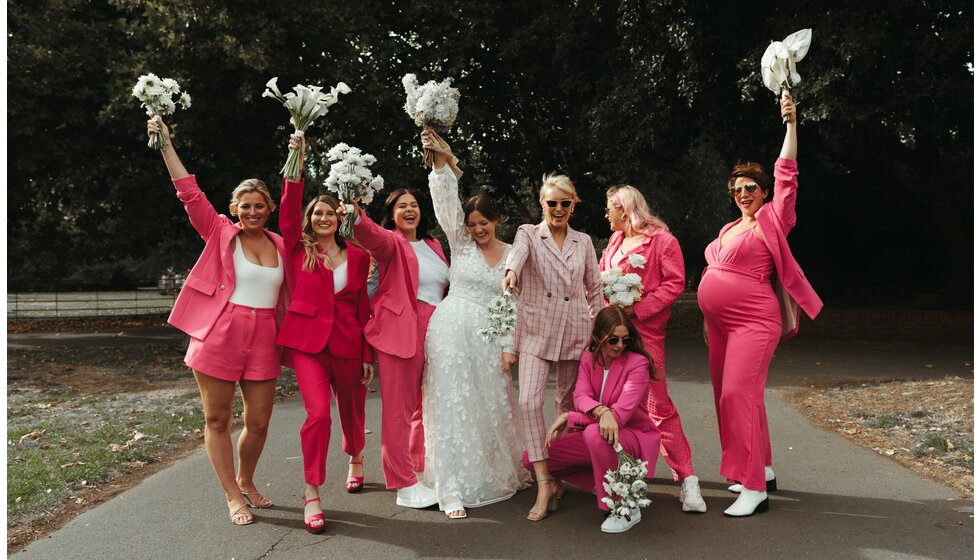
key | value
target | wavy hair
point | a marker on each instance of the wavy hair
(634, 206)
(309, 236)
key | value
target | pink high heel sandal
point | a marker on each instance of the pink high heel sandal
(309, 519)
(355, 483)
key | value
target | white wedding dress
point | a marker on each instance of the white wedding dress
(472, 444)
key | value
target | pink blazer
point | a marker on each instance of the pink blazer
(393, 328)
(316, 317)
(776, 218)
(560, 292)
(625, 393)
(212, 280)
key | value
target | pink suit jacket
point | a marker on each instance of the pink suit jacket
(212, 280)
(393, 328)
(316, 317)
(625, 393)
(560, 292)
(776, 219)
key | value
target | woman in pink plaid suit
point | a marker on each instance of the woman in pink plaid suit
(560, 292)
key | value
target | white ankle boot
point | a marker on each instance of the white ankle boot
(748, 502)
(770, 482)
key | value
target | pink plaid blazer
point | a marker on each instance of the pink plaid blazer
(560, 292)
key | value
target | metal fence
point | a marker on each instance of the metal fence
(59, 305)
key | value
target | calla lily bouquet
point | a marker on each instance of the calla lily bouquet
(157, 97)
(351, 179)
(621, 289)
(432, 105)
(779, 62)
(625, 487)
(501, 317)
(305, 106)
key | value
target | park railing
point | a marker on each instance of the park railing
(62, 305)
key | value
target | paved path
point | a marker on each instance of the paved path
(836, 500)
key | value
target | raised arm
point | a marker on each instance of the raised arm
(170, 158)
(291, 205)
(786, 171)
(787, 109)
(444, 188)
(376, 239)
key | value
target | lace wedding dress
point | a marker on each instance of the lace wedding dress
(472, 447)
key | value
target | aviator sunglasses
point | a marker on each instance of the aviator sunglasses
(749, 187)
(564, 203)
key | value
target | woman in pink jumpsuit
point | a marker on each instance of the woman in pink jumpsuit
(742, 314)
(642, 239)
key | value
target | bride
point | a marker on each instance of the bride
(472, 447)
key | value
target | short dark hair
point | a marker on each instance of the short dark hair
(388, 219)
(753, 171)
(483, 204)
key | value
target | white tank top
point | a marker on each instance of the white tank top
(340, 277)
(433, 273)
(255, 285)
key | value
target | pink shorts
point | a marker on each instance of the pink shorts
(241, 346)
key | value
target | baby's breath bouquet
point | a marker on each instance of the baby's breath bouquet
(351, 180)
(501, 317)
(157, 97)
(432, 105)
(621, 289)
(306, 105)
(625, 487)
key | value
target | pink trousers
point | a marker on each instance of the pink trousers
(402, 438)
(673, 443)
(582, 458)
(316, 375)
(532, 375)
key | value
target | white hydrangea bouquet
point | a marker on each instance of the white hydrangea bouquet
(625, 487)
(779, 62)
(621, 289)
(432, 105)
(305, 106)
(351, 179)
(157, 97)
(501, 317)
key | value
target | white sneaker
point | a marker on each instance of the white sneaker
(417, 496)
(621, 523)
(770, 482)
(748, 502)
(691, 500)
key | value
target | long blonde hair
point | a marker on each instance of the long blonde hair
(631, 200)
(309, 236)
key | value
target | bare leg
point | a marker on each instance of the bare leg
(258, 397)
(312, 505)
(547, 489)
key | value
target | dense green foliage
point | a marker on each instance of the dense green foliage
(663, 94)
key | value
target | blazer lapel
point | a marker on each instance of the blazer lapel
(412, 262)
(568, 249)
(549, 241)
(227, 237)
(614, 381)
(641, 248)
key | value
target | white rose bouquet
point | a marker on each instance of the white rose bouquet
(306, 105)
(157, 97)
(779, 62)
(626, 487)
(621, 289)
(501, 317)
(351, 179)
(432, 105)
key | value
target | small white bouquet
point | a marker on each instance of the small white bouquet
(351, 179)
(621, 289)
(157, 97)
(779, 62)
(625, 487)
(501, 317)
(636, 261)
(432, 105)
(306, 105)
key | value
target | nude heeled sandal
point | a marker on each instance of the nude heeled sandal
(539, 515)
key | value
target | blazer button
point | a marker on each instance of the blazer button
(221, 287)
(566, 298)
(549, 294)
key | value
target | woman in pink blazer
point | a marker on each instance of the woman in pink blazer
(641, 244)
(610, 408)
(413, 278)
(560, 291)
(230, 306)
(323, 334)
(742, 315)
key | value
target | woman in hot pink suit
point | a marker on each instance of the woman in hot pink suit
(742, 318)
(610, 407)
(642, 238)
(323, 334)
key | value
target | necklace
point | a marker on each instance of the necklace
(326, 255)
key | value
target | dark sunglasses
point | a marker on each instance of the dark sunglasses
(553, 203)
(749, 187)
(614, 340)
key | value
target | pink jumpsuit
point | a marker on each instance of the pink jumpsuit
(744, 326)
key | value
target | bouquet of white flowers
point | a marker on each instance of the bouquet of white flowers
(779, 62)
(621, 289)
(351, 179)
(433, 105)
(157, 97)
(626, 487)
(501, 317)
(306, 105)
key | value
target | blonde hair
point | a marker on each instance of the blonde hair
(560, 182)
(250, 186)
(634, 206)
(309, 236)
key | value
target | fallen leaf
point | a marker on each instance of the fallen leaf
(32, 435)
(67, 466)
(17, 501)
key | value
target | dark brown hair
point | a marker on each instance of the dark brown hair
(605, 323)
(388, 218)
(753, 171)
(483, 204)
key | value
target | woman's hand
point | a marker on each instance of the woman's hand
(507, 359)
(608, 427)
(442, 153)
(298, 143)
(704, 331)
(509, 282)
(154, 125)
(556, 428)
(367, 373)
(787, 109)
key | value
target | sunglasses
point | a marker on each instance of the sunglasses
(553, 203)
(614, 340)
(749, 187)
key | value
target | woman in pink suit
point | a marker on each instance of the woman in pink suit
(414, 275)
(323, 334)
(641, 244)
(610, 408)
(560, 291)
(742, 316)
(230, 306)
